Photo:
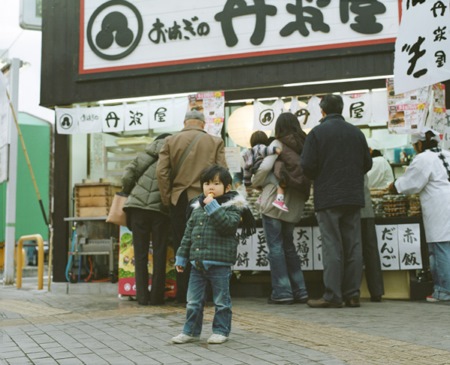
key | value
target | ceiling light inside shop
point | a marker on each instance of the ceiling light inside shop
(338, 81)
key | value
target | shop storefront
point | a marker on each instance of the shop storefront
(96, 51)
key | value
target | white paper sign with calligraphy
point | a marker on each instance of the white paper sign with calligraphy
(261, 250)
(89, 119)
(387, 236)
(245, 253)
(303, 241)
(422, 48)
(317, 248)
(113, 118)
(357, 108)
(266, 115)
(167, 113)
(137, 116)
(409, 246)
(66, 120)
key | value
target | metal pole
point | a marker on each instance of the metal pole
(11, 186)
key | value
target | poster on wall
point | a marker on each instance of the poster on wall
(212, 105)
(407, 112)
(127, 282)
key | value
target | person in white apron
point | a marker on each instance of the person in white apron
(428, 175)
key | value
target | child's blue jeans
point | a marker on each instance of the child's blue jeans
(219, 278)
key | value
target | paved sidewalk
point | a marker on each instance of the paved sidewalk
(40, 327)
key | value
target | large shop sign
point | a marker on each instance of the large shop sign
(123, 35)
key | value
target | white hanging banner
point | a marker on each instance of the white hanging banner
(180, 107)
(113, 118)
(315, 115)
(89, 119)
(66, 120)
(357, 108)
(137, 116)
(421, 48)
(162, 114)
(379, 107)
(265, 115)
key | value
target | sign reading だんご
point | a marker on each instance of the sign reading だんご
(122, 35)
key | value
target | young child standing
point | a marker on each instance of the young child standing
(210, 244)
(253, 158)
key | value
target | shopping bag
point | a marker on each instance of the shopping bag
(116, 213)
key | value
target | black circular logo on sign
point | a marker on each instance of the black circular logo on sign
(114, 28)
(266, 117)
(66, 121)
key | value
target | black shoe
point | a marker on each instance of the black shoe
(275, 301)
(301, 300)
(353, 302)
(322, 303)
(375, 298)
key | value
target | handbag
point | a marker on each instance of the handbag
(116, 213)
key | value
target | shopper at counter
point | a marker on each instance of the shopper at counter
(336, 157)
(288, 284)
(146, 214)
(380, 175)
(181, 161)
(429, 176)
(371, 255)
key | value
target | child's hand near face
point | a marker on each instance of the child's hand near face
(179, 268)
(209, 198)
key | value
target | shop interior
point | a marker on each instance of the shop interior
(99, 158)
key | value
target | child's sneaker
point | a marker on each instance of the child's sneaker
(217, 339)
(431, 299)
(183, 338)
(280, 205)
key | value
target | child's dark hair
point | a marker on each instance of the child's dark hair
(259, 137)
(211, 172)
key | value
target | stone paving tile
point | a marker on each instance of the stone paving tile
(85, 329)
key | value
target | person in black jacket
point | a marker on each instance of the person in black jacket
(336, 157)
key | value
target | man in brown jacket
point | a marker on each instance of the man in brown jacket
(181, 161)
